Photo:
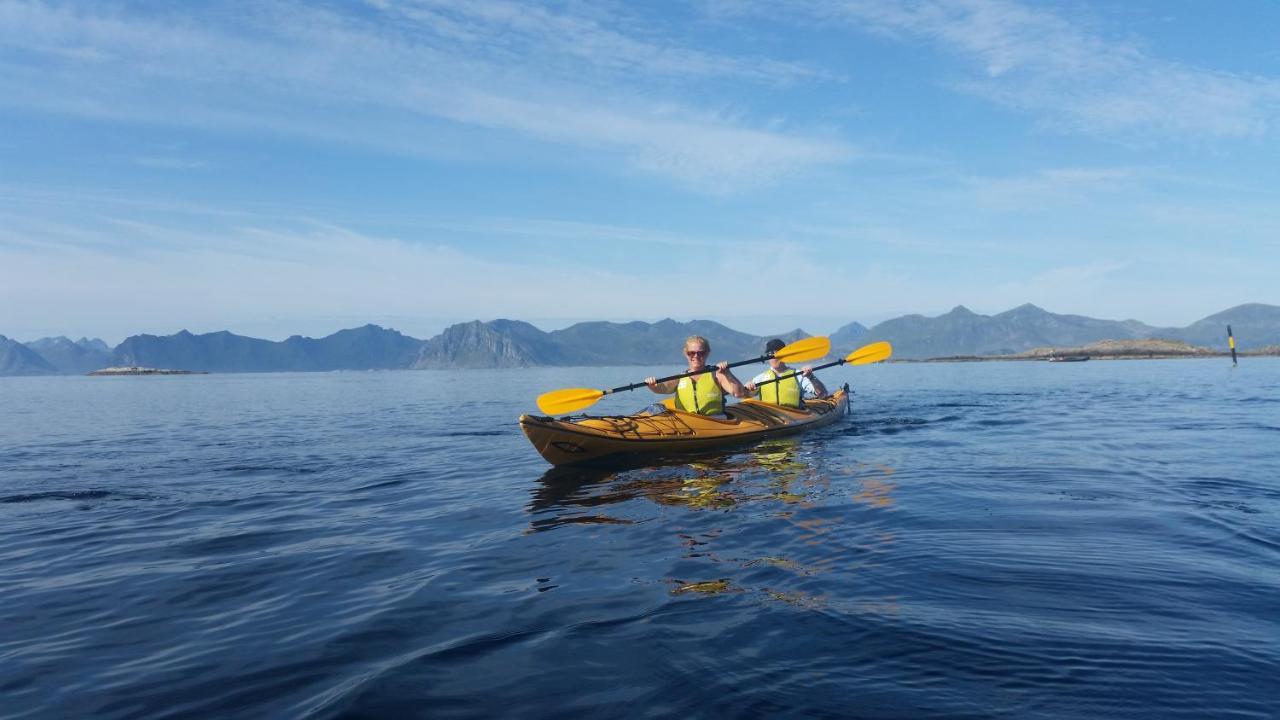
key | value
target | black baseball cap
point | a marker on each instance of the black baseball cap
(774, 345)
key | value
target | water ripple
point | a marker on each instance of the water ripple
(977, 541)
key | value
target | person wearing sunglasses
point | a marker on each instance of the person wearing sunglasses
(702, 393)
(793, 387)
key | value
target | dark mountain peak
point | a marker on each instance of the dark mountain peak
(505, 325)
(18, 359)
(707, 324)
(368, 330)
(1253, 325)
(95, 344)
(1249, 312)
(497, 343)
(853, 327)
(847, 335)
(49, 343)
(1024, 310)
(66, 356)
(960, 311)
(603, 325)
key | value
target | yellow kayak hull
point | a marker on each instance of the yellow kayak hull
(571, 442)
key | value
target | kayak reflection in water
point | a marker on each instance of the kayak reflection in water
(703, 393)
(792, 389)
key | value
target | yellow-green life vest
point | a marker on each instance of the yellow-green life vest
(700, 394)
(784, 392)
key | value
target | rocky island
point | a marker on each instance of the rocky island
(134, 370)
(1153, 349)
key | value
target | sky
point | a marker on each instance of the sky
(279, 168)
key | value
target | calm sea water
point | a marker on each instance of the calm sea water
(1001, 540)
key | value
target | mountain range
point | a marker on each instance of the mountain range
(364, 348)
(964, 332)
(512, 343)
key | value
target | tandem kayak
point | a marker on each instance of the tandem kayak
(570, 441)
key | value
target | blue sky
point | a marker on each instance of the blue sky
(274, 168)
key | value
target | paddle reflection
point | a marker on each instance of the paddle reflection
(876, 487)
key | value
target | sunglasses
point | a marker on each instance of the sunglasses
(696, 353)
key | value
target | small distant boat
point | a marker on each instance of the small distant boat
(1068, 358)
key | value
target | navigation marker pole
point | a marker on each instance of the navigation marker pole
(1231, 341)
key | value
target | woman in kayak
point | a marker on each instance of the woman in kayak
(704, 393)
(795, 386)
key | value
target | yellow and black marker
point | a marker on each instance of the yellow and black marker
(1231, 342)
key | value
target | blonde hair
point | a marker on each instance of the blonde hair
(700, 340)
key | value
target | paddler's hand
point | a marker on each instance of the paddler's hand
(751, 387)
(807, 371)
(652, 382)
(722, 366)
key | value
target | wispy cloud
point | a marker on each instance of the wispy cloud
(236, 271)
(288, 68)
(275, 277)
(1053, 186)
(1070, 75)
(169, 163)
(606, 38)
(1058, 284)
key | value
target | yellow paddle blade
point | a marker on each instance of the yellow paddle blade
(875, 352)
(806, 349)
(559, 402)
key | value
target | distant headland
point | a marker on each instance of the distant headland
(1026, 332)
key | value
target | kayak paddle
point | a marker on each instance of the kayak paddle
(875, 352)
(567, 400)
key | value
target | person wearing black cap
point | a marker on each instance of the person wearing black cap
(793, 388)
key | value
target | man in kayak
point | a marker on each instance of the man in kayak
(795, 386)
(704, 393)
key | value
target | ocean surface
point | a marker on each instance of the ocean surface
(988, 540)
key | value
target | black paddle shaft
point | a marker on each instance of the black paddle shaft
(823, 366)
(709, 368)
